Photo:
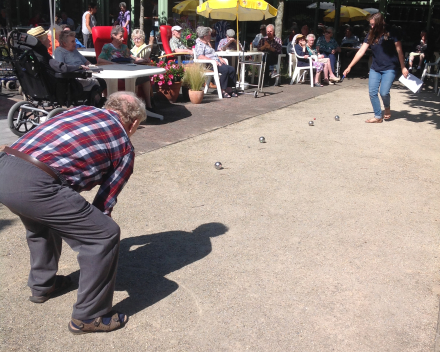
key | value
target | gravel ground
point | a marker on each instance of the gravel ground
(325, 238)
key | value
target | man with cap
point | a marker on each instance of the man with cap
(176, 45)
(260, 35)
(42, 36)
(228, 43)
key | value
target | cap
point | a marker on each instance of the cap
(176, 28)
(37, 31)
(230, 33)
(263, 26)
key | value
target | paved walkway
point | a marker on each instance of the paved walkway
(323, 239)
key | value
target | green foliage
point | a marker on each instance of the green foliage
(194, 76)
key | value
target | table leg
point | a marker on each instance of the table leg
(112, 85)
(130, 85)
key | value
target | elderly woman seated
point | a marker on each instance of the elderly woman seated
(327, 69)
(117, 51)
(301, 50)
(204, 51)
(228, 43)
(68, 54)
(140, 49)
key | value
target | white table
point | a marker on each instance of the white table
(111, 74)
(87, 52)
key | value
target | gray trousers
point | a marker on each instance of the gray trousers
(51, 212)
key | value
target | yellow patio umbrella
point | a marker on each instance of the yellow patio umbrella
(240, 10)
(186, 7)
(348, 13)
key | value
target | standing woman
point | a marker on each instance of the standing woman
(387, 57)
(89, 21)
(124, 17)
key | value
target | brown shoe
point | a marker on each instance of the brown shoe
(212, 85)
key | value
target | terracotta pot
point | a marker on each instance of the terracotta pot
(196, 96)
(169, 92)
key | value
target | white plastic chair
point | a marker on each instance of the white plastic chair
(436, 76)
(212, 74)
(298, 69)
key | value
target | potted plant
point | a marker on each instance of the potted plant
(168, 84)
(194, 78)
(188, 37)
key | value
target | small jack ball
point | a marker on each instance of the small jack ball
(311, 123)
(262, 140)
(218, 165)
(337, 118)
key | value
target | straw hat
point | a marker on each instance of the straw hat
(298, 37)
(37, 31)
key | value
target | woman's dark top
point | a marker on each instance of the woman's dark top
(299, 51)
(384, 53)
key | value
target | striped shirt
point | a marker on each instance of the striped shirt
(88, 147)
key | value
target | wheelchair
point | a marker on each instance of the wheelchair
(46, 92)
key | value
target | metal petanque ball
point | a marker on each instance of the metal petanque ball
(336, 118)
(218, 165)
(311, 123)
(262, 140)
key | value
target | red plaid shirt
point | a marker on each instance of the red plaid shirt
(88, 147)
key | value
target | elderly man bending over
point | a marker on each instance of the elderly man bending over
(88, 147)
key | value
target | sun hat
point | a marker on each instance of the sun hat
(298, 37)
(176, 28)
(37, 31)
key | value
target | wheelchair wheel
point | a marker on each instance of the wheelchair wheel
(55, 112)
(11, 85)
(22, 120)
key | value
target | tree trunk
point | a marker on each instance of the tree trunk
(279, 20)
(141, 15)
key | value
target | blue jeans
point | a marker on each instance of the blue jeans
(385, 80)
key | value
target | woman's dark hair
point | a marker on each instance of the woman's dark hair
(92, 5)
(378, 29)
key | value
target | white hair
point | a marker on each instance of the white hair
(130, 107)
(312, 36)
(271, 26)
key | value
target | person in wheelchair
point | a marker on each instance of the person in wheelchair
(68, 54)
(91, 91)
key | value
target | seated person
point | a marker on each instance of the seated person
(228, 43)
(65, 27)
(421, 49)
(301, 50)
(272, 46)
(138, 37)
(38, 32)
(68, 54)
(204, 51)
(176, 45)
(328, 46)
(327, 69)
(350, 40)
(258, 37)
(117, 50)
(42, 53)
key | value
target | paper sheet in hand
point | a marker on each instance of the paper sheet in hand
(412, 82)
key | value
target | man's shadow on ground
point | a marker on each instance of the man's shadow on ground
(145, 260)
